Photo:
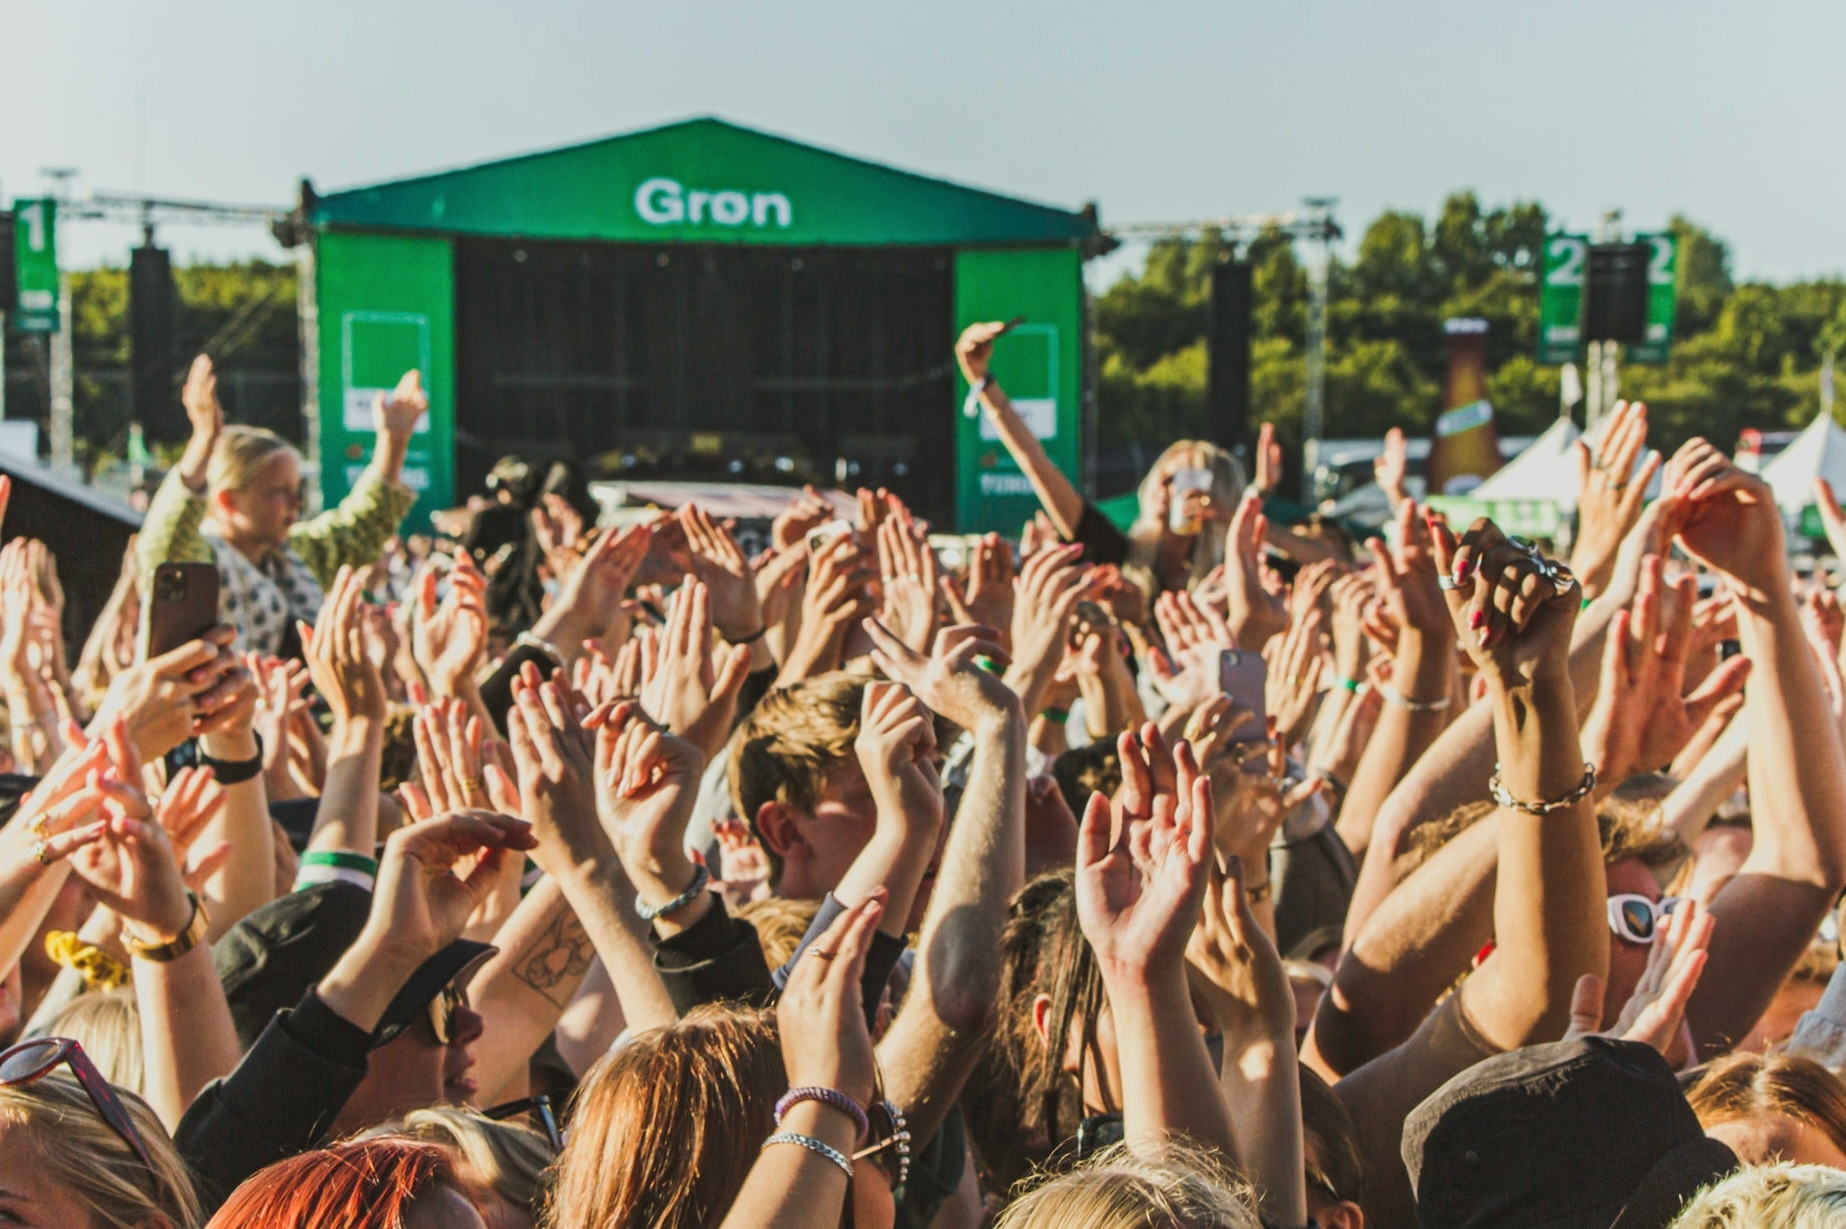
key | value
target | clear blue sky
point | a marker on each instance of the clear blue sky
(1161, 109)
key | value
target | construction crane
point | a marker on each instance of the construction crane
(1313, 223)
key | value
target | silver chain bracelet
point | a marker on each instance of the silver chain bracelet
(1503, 798)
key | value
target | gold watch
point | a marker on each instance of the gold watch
(185, 941)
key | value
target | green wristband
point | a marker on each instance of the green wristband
(1351, 685)
(1056, 716)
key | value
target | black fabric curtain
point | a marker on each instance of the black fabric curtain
(714, 363)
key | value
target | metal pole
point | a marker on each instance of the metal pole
(307, 316)
(1314, 400)
(63, 406)
(2, 364)
(1611, 373)
(1592, 372)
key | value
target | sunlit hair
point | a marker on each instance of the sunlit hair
(780, 923)
(1227, 484)
(241, 452)
(508, 1158)
(1744, 1086)
(79, 1152)
(1786, 1196)
(1171, 1184)
(665, 1129)
(108, 1026)
(788, 746)
(370, 1184)
(1021, 1104)
(1626, 827)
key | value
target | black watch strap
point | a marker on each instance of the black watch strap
(235, 772)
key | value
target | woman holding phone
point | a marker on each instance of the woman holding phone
(1186, 499)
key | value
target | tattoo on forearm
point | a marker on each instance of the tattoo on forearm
(557, 960)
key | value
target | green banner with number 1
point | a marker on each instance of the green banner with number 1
(37, 245)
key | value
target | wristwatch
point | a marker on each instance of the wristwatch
(185, 941)
(234, 772)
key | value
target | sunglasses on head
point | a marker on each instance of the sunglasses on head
(33, 1060)
(1636, 918)
(540, 1106)
(889, 1148)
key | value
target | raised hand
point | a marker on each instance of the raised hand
(792, 526)
(1655, 1013)
(1728, 520)
(991, 594)
(1513, 609)
(692, 689)
(1239, 974)
(742, 872)
(1142, 859)
(949, 681)
(1050, 586)
(448, 638)
(1408, 578)
(1295, 676)
(646, 784)
(975, 347)
(837, 596)
(1268, 460)
(449, 741)
(907, 567)
(134, 867)
(1611, 493)
(420, 905)
(820, 1016)
(1392, 466)
(555, 756)
(1256, 614)
(344, 673)
(719, 563)
(896, 748)
(165, 700)
(590, 596)
(1641, 719)
(398, 413)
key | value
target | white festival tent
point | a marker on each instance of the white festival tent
(1545, 470)
(1548, 468)
(1818, 452)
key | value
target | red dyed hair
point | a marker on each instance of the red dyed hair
(365, 1185)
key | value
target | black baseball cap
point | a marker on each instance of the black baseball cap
(1591, 1133)
(270, 959)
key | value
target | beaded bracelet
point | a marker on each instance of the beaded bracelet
(830, 1097)
(701, 878)
(817, 1146)
(1351, 685)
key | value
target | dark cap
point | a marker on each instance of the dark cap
(1591, 1133)
(271, 958)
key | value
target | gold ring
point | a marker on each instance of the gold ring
(818, 954)
(41, 849)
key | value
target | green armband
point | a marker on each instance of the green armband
(336, 865)
(1056, 716)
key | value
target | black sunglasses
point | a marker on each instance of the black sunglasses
(539, 1105)
(33, 1060)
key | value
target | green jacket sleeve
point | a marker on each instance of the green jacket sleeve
(355, 532)
(170, 529)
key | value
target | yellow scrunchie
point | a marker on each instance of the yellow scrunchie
(100, 970)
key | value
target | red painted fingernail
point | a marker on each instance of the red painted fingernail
(1477, 619)
(1463, 570)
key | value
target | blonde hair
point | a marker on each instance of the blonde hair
(1170, 1185)
(1789, 1196)
(1227, 486)
(108, 1026)
(780, 925)
(508, 1157)
(81, 1153)
(240, 453)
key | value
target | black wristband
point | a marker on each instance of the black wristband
(234, 772)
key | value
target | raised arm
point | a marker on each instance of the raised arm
(1142, 865)
(1419, 697)
(1767, 915)
(974, 350)
(346, 821)
(941, 1027)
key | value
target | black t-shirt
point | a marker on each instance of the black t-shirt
(1102, 541)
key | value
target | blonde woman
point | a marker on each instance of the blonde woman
(79, 1154)
(1172, 1185)
(1186, 500)
(235, 500)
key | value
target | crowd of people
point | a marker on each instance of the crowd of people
(1208, 875)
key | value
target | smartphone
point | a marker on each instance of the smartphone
(819, 538)
(184, 605)
(1244, 678)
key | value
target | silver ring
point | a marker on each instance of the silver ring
(1526, 545)
(1446, 583)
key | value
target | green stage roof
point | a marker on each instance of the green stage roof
(702, 181)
